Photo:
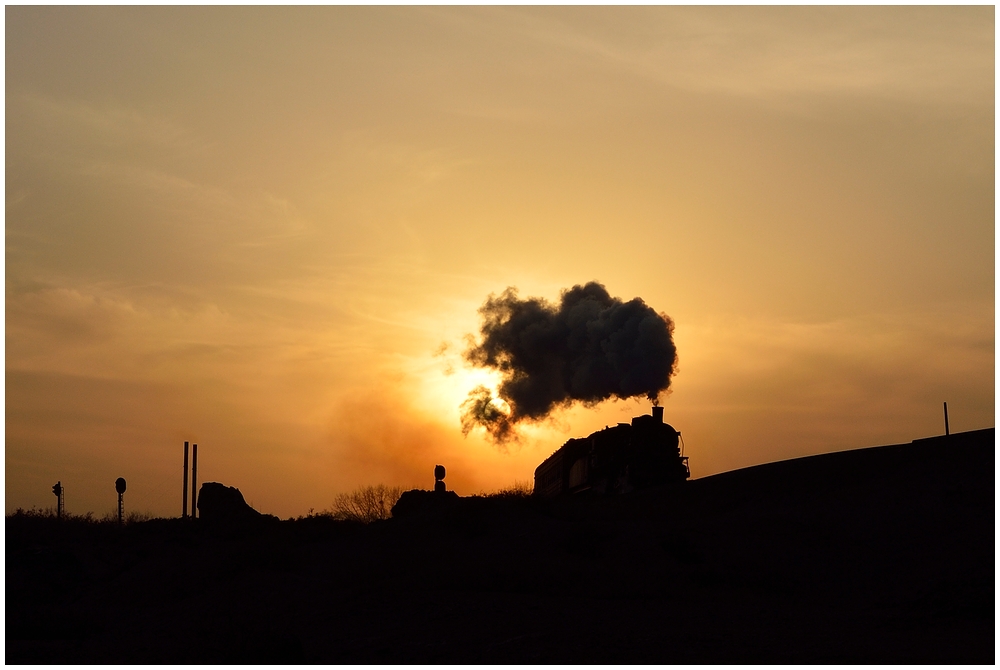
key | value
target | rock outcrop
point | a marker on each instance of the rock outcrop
(218, 503)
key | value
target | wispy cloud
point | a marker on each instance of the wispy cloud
(113, 125)
(755, 51)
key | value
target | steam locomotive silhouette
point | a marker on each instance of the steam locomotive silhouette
(618, 459)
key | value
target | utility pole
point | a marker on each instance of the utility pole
(184, 495)
(194, 481)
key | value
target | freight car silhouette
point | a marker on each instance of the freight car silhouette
(618, 459)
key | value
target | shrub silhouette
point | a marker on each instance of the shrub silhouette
(519, 489)
(130, 517)
(366, 504)
(49, 514)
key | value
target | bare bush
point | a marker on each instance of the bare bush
(366, 504)
(130, 517)
(108, 517)
(33, 513)
(88, 518)
(518, 489)
(138, 517)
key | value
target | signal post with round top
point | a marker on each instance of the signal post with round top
(120, 487)
(439, 473)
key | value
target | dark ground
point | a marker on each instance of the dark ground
(882, 555)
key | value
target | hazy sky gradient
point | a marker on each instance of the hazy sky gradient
(254, 228)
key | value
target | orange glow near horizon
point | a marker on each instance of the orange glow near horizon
(269, 230)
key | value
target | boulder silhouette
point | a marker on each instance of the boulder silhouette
(218, 503)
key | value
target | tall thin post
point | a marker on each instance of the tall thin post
(946, 430)
(184, 497)
(58, 490)
(194, 481)
(120, 487)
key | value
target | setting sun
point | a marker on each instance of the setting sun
(271, 231)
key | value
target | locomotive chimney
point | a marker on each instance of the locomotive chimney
(658, 413)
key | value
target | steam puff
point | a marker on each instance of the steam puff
(589, 348)
(479, 409)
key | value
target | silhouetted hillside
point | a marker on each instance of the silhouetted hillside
(882, 555)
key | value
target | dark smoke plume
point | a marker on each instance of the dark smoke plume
(588, 348)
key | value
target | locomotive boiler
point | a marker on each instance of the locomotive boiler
(618, 459)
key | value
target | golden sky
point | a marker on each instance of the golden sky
(255, 228)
